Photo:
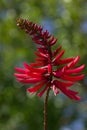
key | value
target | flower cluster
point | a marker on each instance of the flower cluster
(49, 68)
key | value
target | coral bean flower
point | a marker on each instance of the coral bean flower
(49, 68)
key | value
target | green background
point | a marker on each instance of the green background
(67, 21)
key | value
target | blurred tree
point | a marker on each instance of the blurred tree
(67, 20)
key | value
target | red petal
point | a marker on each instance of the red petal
(46, 34)
(42, 92)
(36, 39)
(58, 72)
(53, 41)
(56, 51)
(36, 87)
(73, 93)
(30, 80)
(64, 84)
(42, 50)
(77, 98)
(34, 75)
(65, 61)
(36, 64)
(26, 66)
(41, 59)
(20, 70)
(40, 28)
(41, 55)
(58, 57)
(39, 42)
(73, 63)
(20, 75)
(70, 93)
(76, 70)
(72, 78)
(35, 70)
(49, 68)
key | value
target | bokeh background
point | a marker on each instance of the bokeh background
(67, 21)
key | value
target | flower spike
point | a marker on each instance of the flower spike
(42, 72)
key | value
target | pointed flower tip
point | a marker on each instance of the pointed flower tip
(77, 98)
(19, 21)
(28, 90)
(39, 95)
(15, 74)
(83, 66)
(77, 59)
(16, 68)
(24, 63)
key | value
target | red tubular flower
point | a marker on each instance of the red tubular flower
(42, 72)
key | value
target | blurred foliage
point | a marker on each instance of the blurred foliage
(66, 20)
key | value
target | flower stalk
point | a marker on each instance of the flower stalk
(45, 109)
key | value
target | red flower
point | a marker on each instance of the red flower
(42, 72)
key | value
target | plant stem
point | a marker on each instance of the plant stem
(45, 109)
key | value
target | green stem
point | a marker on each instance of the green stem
(45, 109)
